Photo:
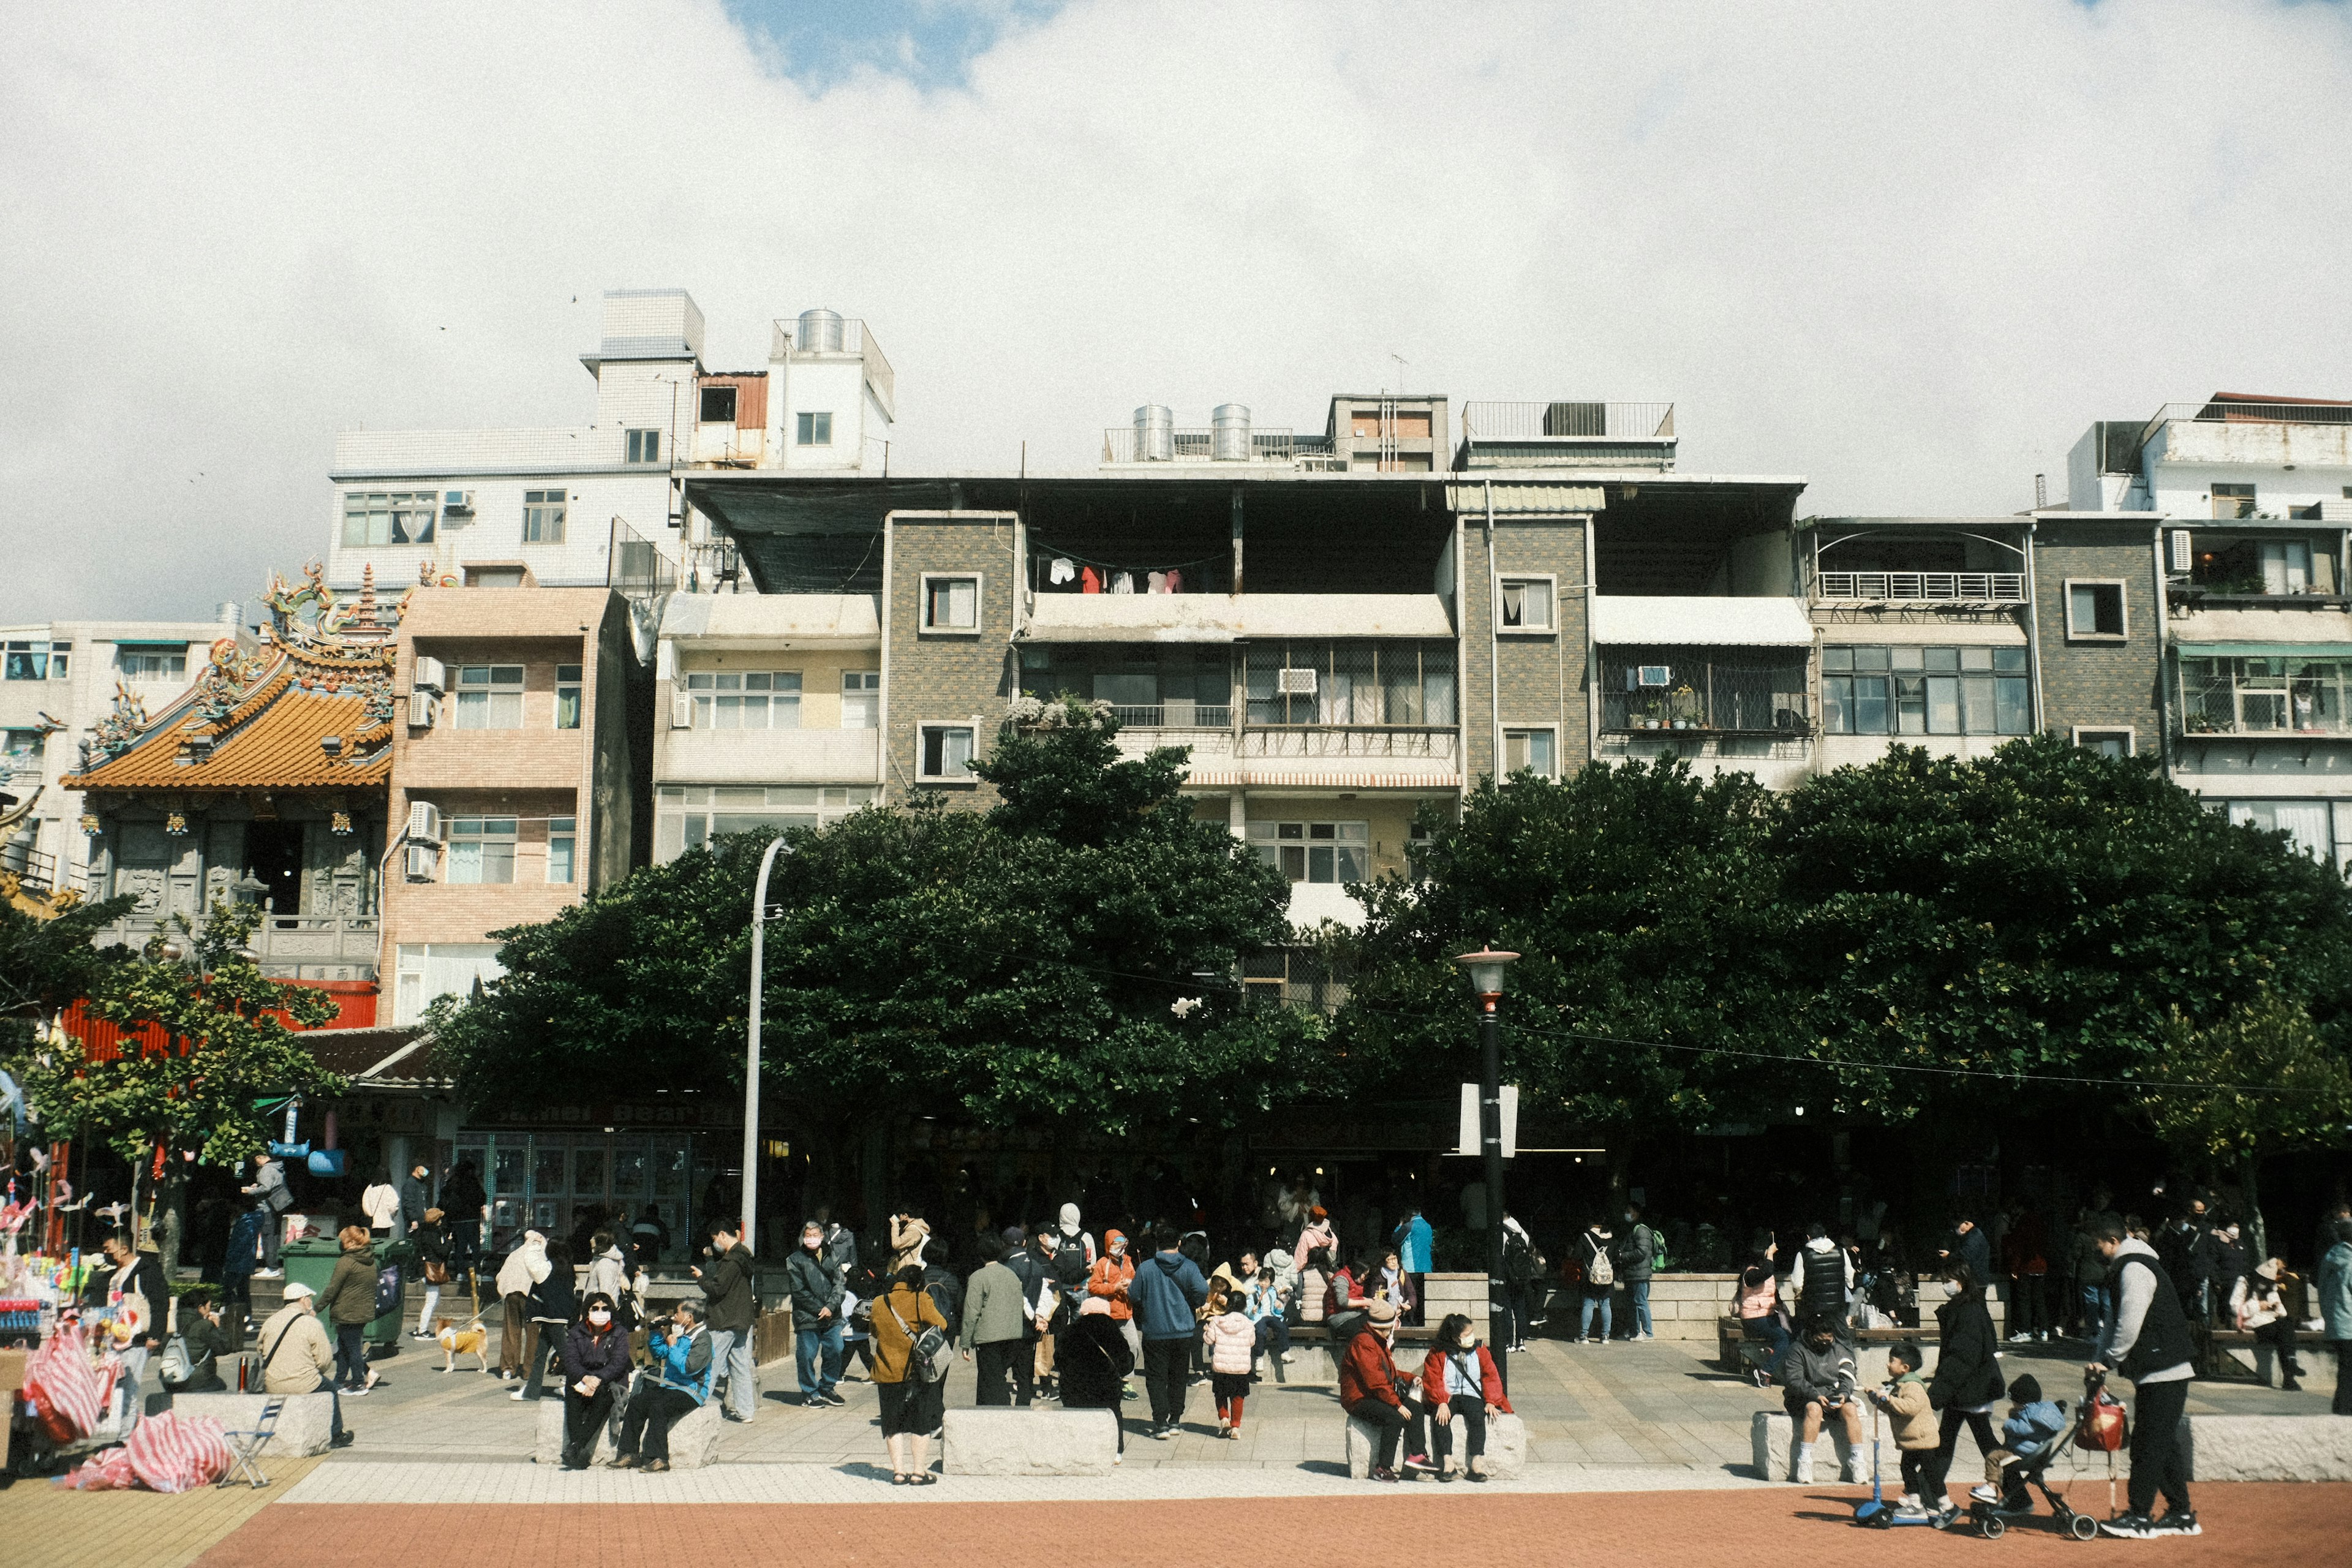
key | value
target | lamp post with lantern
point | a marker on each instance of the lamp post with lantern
(1485, 969)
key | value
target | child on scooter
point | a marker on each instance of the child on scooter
(1905, 1400)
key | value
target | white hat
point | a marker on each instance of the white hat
(297, 1290)
(1069, 1219)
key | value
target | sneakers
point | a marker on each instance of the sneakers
(625, 1461)
(360, 1392)
(1855, 1470)
(2180, 1521)
(1128, 1393)
(1289, 1356)
(1800, 1465)
(830, 1397)
(1161, 1433)
(269, 1274)
(2020, 1337)
(1985, 1493)
(518, 1393)
(1418, 1462)
(342, 1442)
(1383, 1473)
(657, 1466)
(2130, 1526)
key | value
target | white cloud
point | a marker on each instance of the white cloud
(1907, 251)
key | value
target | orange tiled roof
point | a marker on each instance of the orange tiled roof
(271, 741)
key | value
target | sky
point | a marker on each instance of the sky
(1906, 251)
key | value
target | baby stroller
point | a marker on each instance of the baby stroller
(1992, 1519)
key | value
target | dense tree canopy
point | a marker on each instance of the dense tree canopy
(1025, 962)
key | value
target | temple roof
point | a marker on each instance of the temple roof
(310, 707)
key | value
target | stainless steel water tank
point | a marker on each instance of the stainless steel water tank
(229, 613)
(819, 333)
(1229, 433)
(1155, 434)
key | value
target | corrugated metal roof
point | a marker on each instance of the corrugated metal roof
(1517, 498)
(1685, 621)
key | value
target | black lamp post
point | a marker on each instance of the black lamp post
(1486, 968)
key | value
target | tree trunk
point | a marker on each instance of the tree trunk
(172, 1218)
(2257, 1234)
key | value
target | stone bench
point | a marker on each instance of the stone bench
(1505, 1454)
(306, 1425)
(1006, 1441)
(693, 1437)
(1733, 1346)
(1769, 1433)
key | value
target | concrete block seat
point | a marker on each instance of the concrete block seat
(693, 1437)
(1770, 1432)
(1038, 1441)
(306, 1425)
(1505, 1454)
(2270, 1448)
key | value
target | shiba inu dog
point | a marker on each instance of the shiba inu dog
(472, 1340)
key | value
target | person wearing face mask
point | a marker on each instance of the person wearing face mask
(1638, 1252)
(595, 1370)
(816, 1283)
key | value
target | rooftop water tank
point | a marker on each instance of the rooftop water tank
(1155, 434)
(819, 333)
(229, 613)
(1229, 433)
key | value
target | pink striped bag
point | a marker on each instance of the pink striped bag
(171, 1453)
(69, 1391)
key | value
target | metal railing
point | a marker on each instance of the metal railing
(1350, 740)
(854, 340)
(1925, 587)
(1482, 422)
(1174, 716)
(1266, 446)
(1732, 703)
(2279, 697)
(2216, 411)
(635, 568)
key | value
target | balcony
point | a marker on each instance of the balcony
(771, 757)
(2226, 429)
(2277, 697)
(1568, 434)
(1920, 587)
(1385, 741)
(1662, 690)
(1174, 715)
(305, 947)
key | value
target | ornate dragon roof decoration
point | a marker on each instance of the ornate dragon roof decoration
(117, 730)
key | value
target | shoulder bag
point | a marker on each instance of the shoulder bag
(930, 1354)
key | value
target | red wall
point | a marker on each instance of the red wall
(355, 1002)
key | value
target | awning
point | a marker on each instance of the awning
(160, 642)
(1694, 621)
(2263, 649)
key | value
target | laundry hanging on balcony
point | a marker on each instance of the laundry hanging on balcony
(1062, 570)
(1072, 574)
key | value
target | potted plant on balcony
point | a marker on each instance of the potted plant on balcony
(1685, 709)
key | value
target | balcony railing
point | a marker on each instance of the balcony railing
(2223, 411)
(635, 568)
(1174, 716)
(278, 939)
(1728, 707)
(1489, 422)
(1924, 587)
(1265, 446)
(2283, 697)
(1351, 740)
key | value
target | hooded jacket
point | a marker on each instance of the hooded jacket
(1912, 1415)
(727, 1286)
(1233, 1344)
(1109, 1276)
(684, 1362)
(2336, 1292)
(1094, 1362)
(604, 1356)
(1967, 1371)
(1165, 1292)
(1367, 1371)
(350, 1295)
(2148, 1338)
(1824, 1375)
(525, 1267)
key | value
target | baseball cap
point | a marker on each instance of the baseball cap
(297, 1290)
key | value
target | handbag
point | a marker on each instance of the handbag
(2103, 1429)
(437, 1271)
(930, 1354)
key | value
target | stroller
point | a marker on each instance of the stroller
(1992, 1519)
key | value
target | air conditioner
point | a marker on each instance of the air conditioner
(423, 861)
(1295, 682)
(2183, 559)
(424, 821)
(457, 503)
(681, 712)
(420, 710)
(430, 673)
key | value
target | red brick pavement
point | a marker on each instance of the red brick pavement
(2244, 1523)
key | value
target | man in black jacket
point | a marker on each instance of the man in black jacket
(2149, 1344)
(726, 1286)
(816, 1284)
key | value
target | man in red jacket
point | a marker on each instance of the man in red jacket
(1368, 1392)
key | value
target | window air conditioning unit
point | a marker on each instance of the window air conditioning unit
(457, 503)
(424, 860)
(430, 673)
(2183, 559)
(420, 710)
(681, 712)
(1295, 682)
(424, 821)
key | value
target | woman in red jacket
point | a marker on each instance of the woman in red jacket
(1458, 1377)
(1368, 1393)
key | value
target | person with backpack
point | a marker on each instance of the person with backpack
(1595, 1247)
(1638, 1257)
(907, 1329)
(1523, 1268)
(2151, 1344)
(1166, 1293)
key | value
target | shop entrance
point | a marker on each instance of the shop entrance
(550, 1182)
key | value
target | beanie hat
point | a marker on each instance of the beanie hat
(2026, 1390)
(1094, 1304)
(1069, 1219)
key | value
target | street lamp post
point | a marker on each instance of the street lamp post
(1486, 968)
(751, 1060)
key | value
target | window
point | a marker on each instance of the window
(489, 696)
(1405, 685)
(951, 603)
(2304, 822)
(1532, 750)
(946, 752)
(718, 405)
(2094, 611)
(150, 664)
(481, 848)
(389, 517)
(2262, 695)
(562, 837)
(1754, 691)
(2233, 501)
(28, 661)
(645, 447)
(20, 754)
(427, 971)
(2231, 564)
(567, 697)
(813, 429)
(861, 699)
(2106, 742)
(687, 816)
(542, 516)
(745, 699)
(1315, 851)
(1926, 692)
(1526, 605)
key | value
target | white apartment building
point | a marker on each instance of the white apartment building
(595, 505)
(59, 679)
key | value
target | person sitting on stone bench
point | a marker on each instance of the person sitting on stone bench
(1818, 1383)
(210, 1342)
(1370, 1392)
(1459, 1378)
(296, 1357)
(678, 1384)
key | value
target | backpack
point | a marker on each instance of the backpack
(1599, 1270)
(1658, 1250)
(387, 1289)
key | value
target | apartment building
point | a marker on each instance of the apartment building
(2237, 508)
(58, 680)
(513, 768)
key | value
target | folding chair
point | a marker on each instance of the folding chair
(245, 1444)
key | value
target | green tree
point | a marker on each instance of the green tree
(232, 1051)
(2261, 1081)
(47, 964)
(1642, 899)
(1017, 965)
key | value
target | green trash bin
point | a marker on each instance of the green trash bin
(310, 1261)
(385, 1329)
